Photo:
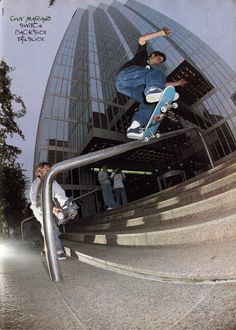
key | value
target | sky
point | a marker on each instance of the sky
(214, 21)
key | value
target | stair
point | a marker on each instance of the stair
(189, 219)
(182, 264)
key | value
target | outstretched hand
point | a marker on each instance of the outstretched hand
(166, 31)
(182, 82)
(177, 83)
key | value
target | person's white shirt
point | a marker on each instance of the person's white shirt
(103, 177)
(118, 180)
(57, 192)
(34, 191)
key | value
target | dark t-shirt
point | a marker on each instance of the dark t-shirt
(140, 58)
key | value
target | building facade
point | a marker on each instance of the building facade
(82, 111)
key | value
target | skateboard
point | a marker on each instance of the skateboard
(163, 106)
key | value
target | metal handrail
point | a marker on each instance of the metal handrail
(21, 226)
(77, 199)
(84, 195)
(51, 253)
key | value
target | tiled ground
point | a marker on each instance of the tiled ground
(91, 298)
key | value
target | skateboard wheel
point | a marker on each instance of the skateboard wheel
(163, 109)
(146, 139)
(158, 135)
(175, 105)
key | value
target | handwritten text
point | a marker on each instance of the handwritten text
(30, 28)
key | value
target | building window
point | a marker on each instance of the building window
(197, 86)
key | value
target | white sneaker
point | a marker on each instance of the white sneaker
(153, 96)
(176, 96)
(156, 95)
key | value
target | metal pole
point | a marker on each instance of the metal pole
(22, 226)
(80, 161)
(85, 195)
(205, 146)
(159, 183)
(49, 235)
(51, 253)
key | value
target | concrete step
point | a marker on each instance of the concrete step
(208, 263)
(207, 186)
(200, 211)
(213, 179)
(191, 213)
(220, 229)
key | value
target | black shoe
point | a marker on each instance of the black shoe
(135, 133)
(61, 256)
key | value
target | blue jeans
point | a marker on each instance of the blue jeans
(108, 197)
(57, 237)
(121, 197)
(57, 233)
(134, 82)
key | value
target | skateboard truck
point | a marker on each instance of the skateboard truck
(151, 136)
(168, 106)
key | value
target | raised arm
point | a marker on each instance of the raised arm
(164, 32)
(177, 83)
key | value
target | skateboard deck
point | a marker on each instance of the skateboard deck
(161, 109)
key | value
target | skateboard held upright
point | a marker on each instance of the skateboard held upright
(163, 106)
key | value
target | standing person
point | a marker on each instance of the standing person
(137, 80)
(107, 193)
(35, 197)
(118, 178)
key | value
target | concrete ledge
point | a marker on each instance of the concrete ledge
(182, 265)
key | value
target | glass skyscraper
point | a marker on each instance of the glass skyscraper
(82, 111)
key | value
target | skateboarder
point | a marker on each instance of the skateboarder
(137, 80)
(35, 197)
